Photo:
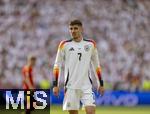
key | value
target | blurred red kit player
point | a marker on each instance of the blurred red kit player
(28, 83)
(27, 72)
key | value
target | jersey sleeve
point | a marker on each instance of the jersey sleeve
(58, 63)
(96, 65)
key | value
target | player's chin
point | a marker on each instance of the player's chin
(75, 37)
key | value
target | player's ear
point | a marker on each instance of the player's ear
(81, 29)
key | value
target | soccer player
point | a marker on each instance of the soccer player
(28, 83)
(77, 54)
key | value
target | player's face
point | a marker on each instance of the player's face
(33, 62)
(75, 31)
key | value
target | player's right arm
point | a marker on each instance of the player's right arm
(27, 80)
(57, 67)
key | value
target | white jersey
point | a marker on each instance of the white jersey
(77, 57)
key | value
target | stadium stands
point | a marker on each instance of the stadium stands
(120, 28)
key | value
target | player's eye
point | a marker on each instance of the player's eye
(76, 28)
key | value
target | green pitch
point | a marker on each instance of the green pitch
(99, 110)
(107, 110)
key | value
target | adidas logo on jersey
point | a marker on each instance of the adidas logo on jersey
(71, 49)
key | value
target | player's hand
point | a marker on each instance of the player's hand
(101, 90)
(56, 91)
(31, 87)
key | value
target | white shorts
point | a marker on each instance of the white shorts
(73, 97)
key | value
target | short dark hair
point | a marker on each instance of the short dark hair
(75, 22)
(31, 57)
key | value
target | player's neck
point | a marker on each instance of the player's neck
(78, 39)
(29, 65)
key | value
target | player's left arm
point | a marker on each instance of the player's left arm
(97, 69)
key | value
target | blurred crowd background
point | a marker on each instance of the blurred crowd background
(121, 29)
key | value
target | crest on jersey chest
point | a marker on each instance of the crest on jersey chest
(86, 47)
